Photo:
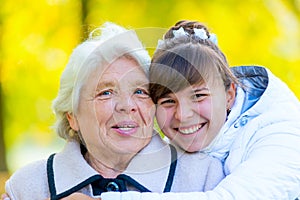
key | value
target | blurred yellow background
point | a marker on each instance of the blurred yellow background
(37, 39)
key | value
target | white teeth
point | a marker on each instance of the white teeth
(190, 130)
(126, 127)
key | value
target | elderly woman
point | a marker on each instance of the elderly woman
(105, 114)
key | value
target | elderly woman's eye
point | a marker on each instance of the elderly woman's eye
(104, 94)
(141, 91)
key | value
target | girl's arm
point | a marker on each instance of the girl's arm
(269, 169)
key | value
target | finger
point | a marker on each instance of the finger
(79, 196)
(4, 197)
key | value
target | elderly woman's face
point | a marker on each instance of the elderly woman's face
(115, 112)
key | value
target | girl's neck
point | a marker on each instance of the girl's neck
(108, 167)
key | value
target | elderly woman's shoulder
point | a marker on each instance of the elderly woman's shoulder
(30, 180)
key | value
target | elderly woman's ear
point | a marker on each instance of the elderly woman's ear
(73, 121)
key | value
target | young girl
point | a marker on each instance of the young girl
(244, 115)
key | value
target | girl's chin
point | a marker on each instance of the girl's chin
(193, 149)
(190, 146)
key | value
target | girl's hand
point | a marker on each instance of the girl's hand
(74, 196)
(79, 196)
(4, 197)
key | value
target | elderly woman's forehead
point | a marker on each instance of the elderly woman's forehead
(120, 68)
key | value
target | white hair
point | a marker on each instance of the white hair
(104, 45)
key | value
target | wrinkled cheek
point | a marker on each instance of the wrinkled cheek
(147, 111)
(103, 113)
(152, 111)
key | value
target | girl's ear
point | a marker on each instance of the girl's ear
(73, 121)
(231, 93)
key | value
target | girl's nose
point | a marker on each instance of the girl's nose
(183, 112)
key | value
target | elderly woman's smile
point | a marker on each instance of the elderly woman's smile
(126, 127)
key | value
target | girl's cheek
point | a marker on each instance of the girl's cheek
(163, 116)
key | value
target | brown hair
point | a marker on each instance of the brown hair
(182, 61)
(188, 27)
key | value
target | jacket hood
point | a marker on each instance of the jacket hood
(261, 94)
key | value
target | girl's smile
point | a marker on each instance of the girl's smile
(188, 130)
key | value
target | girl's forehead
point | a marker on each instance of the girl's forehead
(201, 86)
(205, 86)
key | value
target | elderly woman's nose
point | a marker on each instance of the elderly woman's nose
(126, 104)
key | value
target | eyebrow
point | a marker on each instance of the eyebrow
(112, 83)
(104, 84)
(193, 91)
(200, 89)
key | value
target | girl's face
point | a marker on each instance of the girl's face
(115, 114)
(193, 117)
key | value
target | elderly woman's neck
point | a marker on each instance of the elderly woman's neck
(109, 167)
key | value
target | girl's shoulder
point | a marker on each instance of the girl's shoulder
(198, 159)
(197, 172)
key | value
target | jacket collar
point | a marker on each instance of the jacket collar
(255, 81)
(70, 170)
(263, 90)
(220, 146)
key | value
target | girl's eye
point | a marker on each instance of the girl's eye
(199, 96)
(166, 102)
